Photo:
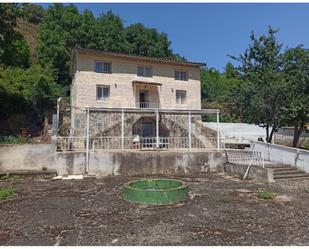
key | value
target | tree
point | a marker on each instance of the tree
(33, 13)
(31, 90)
(14, 50)
(296, 74)
(260, 97)
(215, 87)
(147, 42)
(58, 34)
(110, 33)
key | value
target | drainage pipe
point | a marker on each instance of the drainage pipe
(87, 139)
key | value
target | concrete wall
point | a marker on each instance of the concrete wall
(39, 157)
(255, 172)
(103, 163)
(153, 162)
(125, 94)
(285, 155)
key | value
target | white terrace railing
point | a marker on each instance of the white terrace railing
(117, 143)
(244, 157)
(147, 105)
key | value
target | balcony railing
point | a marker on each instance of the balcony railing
(147, 105)
(117, 143)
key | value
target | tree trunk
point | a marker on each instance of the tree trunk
(297, 132)
(271, 134)
(267, 133)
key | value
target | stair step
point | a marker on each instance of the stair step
(275, 166)
(284, 169)
(293, 171)
(299, 175)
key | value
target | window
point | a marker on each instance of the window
(102, 92)
(144, 71)
(103, 67)
(181, 75)
(181, 96)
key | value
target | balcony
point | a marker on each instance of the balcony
(147, 105)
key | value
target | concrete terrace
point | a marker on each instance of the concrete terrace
(221, 210)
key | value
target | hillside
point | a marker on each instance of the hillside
(29, 31)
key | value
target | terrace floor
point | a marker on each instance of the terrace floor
(221, 210)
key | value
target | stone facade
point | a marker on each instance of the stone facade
(123, 92)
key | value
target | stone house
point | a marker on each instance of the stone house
(108, 82)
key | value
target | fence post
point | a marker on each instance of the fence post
(87, 138)
(157, 128)
(122, 128)
(58, 114)
(189, 127)
(218, 132)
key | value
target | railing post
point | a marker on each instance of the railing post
(218, 132)
(189, 127)
(87, 138)
(157, 128)
(122, 128)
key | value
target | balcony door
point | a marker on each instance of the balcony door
(143, 99)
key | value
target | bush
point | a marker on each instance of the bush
(6, 193)
(266, 195)
(14, 140)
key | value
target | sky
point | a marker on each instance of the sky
(209, 32)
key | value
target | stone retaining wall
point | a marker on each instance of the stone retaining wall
(103, 163)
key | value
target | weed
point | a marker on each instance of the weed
(6, 193)
(4, 177)
(223, 199)
(266, 195)
(16, 178)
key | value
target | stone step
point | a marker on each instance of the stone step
(296, 175)
(290, 171)
(284, 169)
(275, 166)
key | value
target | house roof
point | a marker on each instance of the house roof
(134, 57)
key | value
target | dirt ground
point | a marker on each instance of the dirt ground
(221, 210)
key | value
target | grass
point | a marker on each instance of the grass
(6, 193)
(266, 195)
(12, 178)
(223, 199)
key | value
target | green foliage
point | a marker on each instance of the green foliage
(14, 50)
(215, 89)
(33, 13)
(266, 195)
(31, 90)
(147, 41)
(110, 33)
(6, 193)
(14, 140)
(296, 75)
(260, 96)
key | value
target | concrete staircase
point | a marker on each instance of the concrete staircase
(282, 171)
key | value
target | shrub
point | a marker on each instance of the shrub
(14, 140)
(6, 193)
(266, 195)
